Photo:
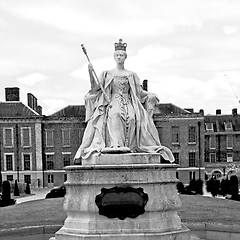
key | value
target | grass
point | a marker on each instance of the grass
(50, 212)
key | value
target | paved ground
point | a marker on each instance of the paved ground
(36, 194)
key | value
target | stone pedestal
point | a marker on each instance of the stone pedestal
(159, 220)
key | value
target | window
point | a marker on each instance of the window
(175, 134)
(50, 178)
(66, 137)
(229, 141)
(212, 142)
(176, 156)
(26, 136)
(209, 127)
(66, 159)
(49, 162)
(65, 177)
(27, 179)
(177, 175)
(10, 178)
(228, 126)
(160, 131)
(26, 161)
(49, 138)
(212, 157)
(9, 162)
(229, 157)
(192, 175)
(8, 137)
(192, 159)
(192, 134)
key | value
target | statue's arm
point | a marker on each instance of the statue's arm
(92, 79)
(148, 99)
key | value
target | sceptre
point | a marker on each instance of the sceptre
(96, 77)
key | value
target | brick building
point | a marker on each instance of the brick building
(222, 143)
(35, 148)
(21, 138)
(183, 132)
(62, 135)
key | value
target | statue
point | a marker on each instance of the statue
(119, 113)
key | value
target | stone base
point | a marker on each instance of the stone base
(182, 234)
(159, 220)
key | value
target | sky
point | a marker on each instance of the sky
(188, 50)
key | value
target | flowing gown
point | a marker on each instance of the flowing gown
(121, 120)
(122, 123)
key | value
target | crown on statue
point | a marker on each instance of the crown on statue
(120, 45)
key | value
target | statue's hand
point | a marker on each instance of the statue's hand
(151, 102)
(153, 98)
(90, 67)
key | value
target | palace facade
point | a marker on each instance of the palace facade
(35, 148)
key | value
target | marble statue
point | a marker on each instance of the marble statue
(119, 114)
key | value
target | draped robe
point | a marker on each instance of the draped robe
(145, 137)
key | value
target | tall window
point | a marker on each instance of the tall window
(229, 157)
(49, 162)
(49, 138)
(10, 178)
(192, 159)
(209, 127)
(229, 141)
(27, 179)
(26, 136)
(66, 159)
(212, 157)
(66, 137)
(26, 161)
(50, 178)
(228, 126)
(8, 137)
(9, 162)
(175, 134)
(212, 142)
(192, 175)
(192, 134)
(176, 156)
(65, 177)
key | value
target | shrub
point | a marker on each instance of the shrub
(234, 186)
(16, 189)
(28, 191)
(199, 187)
(6, 195)
(180, 187)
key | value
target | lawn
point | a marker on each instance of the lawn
(50, 212)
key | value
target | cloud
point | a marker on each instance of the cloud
(32, 79)
(230, 29)
(53, 105)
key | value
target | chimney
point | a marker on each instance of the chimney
(145, 85)
(12, 94)
(39, 110)
(234, 112)
(32, 101)
(218, 112)
(201, 111)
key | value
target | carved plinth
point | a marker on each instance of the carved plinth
(145, 188)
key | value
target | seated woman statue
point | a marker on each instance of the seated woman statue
(117, 121)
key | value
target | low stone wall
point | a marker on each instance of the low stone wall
(210, 231)
(206, 231)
